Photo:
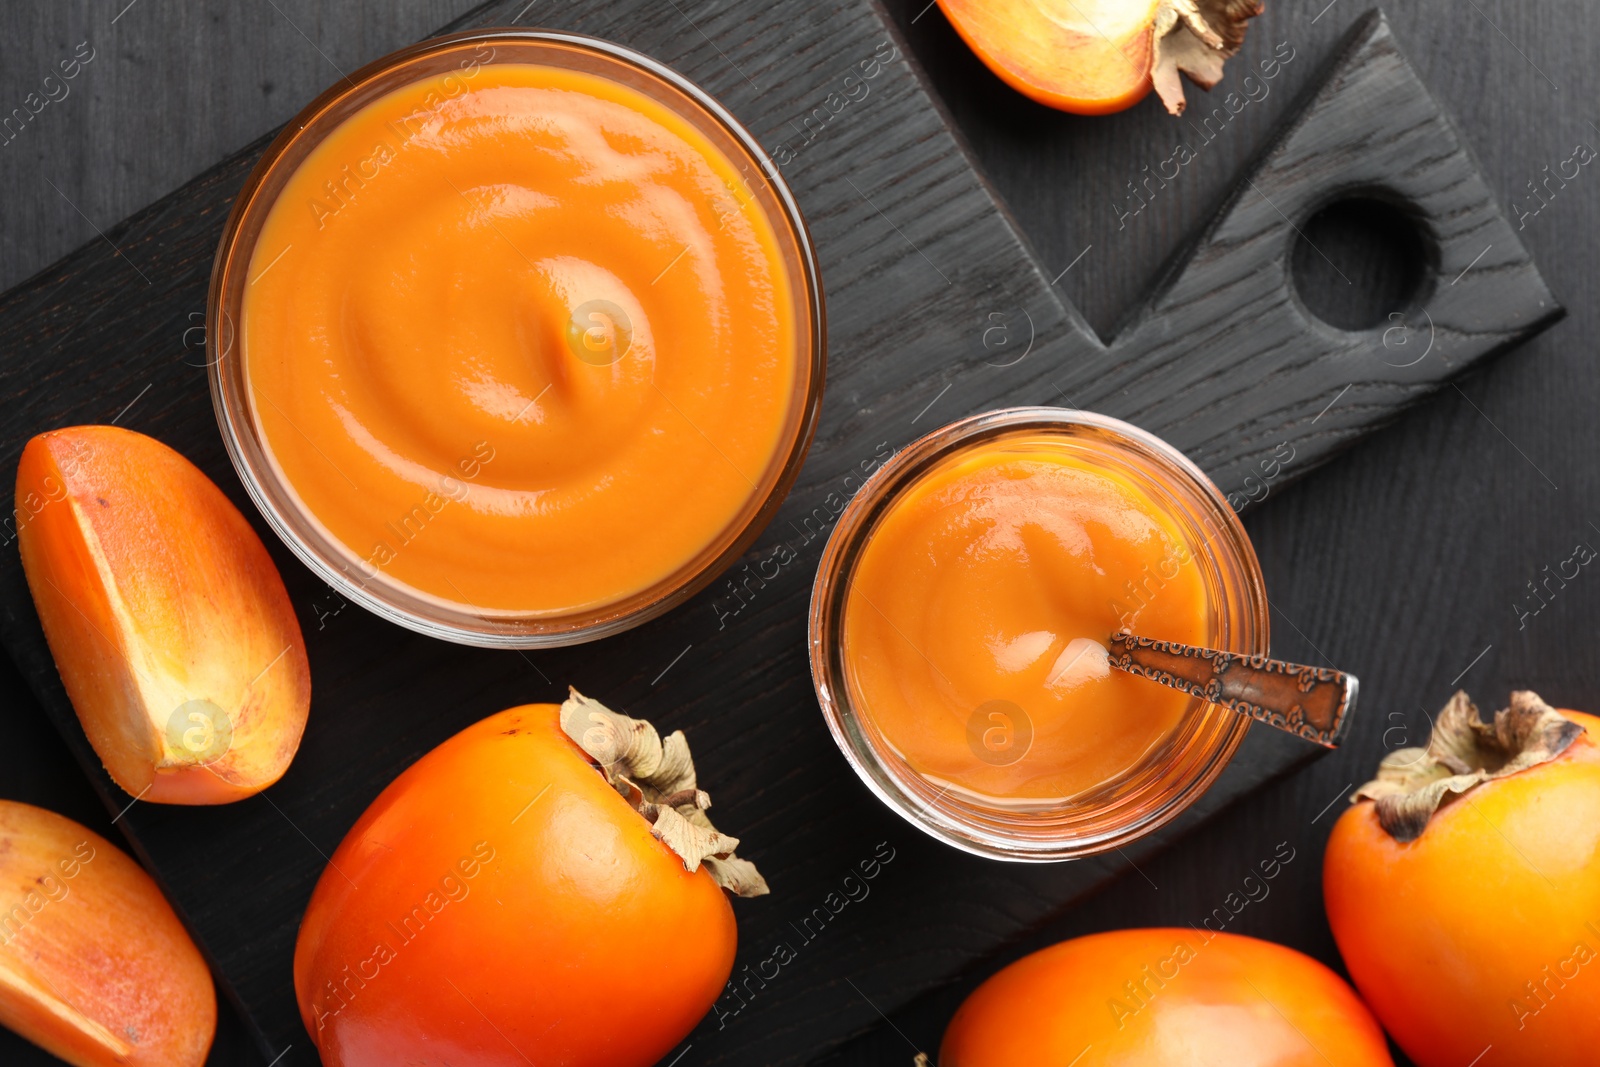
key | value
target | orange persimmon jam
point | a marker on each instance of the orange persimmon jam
(524, 339)
(991, 587)
(961, 621)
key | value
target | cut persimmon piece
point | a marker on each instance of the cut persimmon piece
(169, 623)
(94, 966)
(1093, 57)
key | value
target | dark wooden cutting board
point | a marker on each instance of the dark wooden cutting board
(936, 309)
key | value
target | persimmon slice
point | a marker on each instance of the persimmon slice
(1093, 57)
(169, 623)
(94, 965)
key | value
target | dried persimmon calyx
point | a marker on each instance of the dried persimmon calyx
(1464, 752)
(657, 777)
(1196, 37)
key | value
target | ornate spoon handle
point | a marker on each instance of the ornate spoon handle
(1313, 702)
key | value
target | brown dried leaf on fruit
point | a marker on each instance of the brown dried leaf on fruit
(1464, 752)
(1196, 37)
(657, 777)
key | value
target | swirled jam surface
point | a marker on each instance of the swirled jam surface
(977, 618)
(520, 339)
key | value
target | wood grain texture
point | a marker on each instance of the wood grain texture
(905, 226)
(172, 88)
(1227, 311)
(1407, 561)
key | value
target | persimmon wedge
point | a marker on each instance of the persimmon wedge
(169, 623)
(94, 965)
(1093, 57)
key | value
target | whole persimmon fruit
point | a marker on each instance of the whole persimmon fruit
(1170, 997)
(543, 888)
(1463, 888)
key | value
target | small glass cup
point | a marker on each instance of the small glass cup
(1174, 774)
(333, 561)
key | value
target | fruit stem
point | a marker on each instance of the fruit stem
(657, 777)
(1195, 37)
(1464, 752)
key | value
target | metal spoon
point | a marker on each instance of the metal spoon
(1313, 702)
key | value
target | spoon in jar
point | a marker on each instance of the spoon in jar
(1312, 702)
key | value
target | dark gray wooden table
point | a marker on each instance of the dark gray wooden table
(1406, 561)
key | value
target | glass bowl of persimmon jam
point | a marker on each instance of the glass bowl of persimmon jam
(516, 338)
(960, 619)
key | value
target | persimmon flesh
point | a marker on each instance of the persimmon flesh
(500, 904)
(1093, 57)
(168, 621)
(1176, 997)
(1479, 940)
(94, 965)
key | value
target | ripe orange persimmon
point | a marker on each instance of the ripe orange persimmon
(503, 904)
(1178, 998)
(1097, 56)
(1463, 889)
(94, 966)
(169, 623)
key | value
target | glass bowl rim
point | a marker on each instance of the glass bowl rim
(825, 625)
(295, 527)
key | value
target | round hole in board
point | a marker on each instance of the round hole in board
(1357, 261)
